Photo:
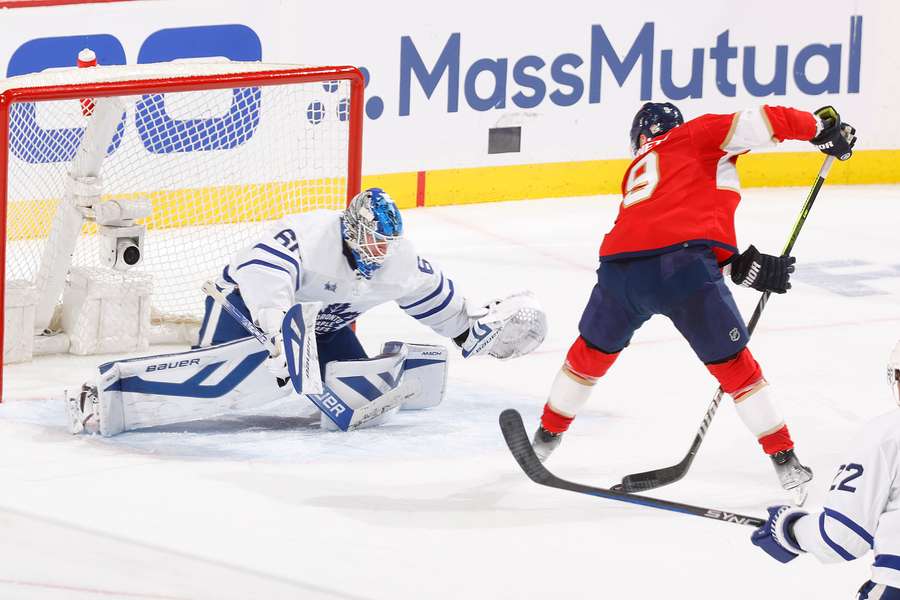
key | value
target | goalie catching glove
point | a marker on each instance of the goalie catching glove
(504, 328)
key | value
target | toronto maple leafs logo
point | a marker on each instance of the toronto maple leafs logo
(335, 316)
(330, 286)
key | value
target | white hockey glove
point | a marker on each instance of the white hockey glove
(270, 320)
(504, 328)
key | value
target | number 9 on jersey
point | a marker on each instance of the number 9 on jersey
(642, 180)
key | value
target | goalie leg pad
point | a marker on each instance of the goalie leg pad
(175, 388)
(362, 393)
(424, 375)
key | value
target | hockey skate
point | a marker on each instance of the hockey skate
(83, 410)
(793, 476)
(545, 442)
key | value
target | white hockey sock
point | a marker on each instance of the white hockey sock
(759, 413)
(568, 394)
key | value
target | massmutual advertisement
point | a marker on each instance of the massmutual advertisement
(487, 101)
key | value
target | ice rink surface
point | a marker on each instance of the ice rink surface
(431, 504)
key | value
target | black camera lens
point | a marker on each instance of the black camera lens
(131, 255)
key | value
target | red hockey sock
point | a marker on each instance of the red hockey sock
(777, 441)
(554, 422)
(737, 375)
(588, 362)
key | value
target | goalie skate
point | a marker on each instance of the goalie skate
(83, 410)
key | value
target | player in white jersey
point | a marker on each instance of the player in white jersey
(861, 510)
(332, 266)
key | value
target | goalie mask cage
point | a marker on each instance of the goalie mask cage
(217, 149)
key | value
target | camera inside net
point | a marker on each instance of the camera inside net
(121, 241)
(121, 247)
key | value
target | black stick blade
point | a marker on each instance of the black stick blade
(649, 480)
(517, 440)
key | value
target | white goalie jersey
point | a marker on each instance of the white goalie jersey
(303, 263)
(862, 508)
(301, 259)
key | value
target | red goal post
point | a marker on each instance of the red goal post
(217, 149)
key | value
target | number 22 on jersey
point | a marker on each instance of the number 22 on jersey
(642, 180)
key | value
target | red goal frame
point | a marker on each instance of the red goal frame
(36, 3)
(178, 84)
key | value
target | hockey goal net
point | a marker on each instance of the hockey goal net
(184, 161)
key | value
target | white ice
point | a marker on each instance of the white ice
(432, 505)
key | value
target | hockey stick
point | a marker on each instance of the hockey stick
(517, 440)
(648, 480)
(210, 289)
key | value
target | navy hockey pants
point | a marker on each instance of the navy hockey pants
(685, 285)
(219, 327)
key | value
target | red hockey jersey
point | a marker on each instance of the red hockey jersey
(682, 188)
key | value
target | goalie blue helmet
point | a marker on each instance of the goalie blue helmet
(371, 224)
(653, 119)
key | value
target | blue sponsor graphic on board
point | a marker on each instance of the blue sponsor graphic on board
(520, 82)
(562, 80)
(159, 132)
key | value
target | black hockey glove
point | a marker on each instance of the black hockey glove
(836, 138)
(762, 272)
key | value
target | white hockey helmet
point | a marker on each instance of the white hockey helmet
(893, 373)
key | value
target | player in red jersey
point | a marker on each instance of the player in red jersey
(671, 244)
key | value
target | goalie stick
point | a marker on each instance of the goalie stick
(648, 480)
(520, 447)
(210, 289)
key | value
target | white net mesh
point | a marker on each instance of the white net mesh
(216, 164)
